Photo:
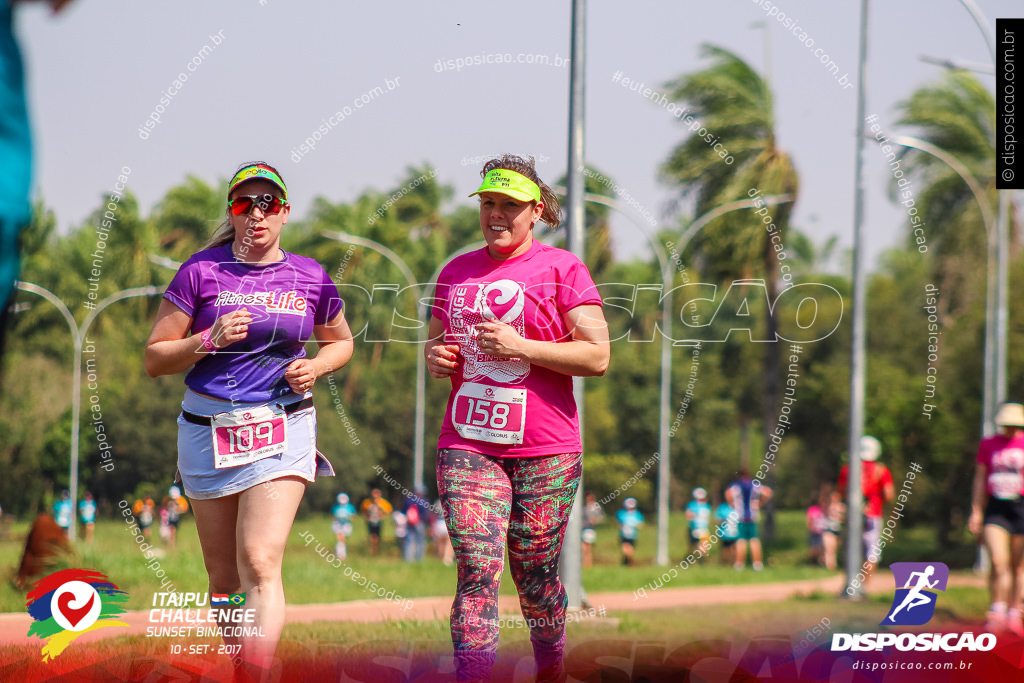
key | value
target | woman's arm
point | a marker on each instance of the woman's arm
(336, 348)
(978, 499)
(170, 349)
(587, 355)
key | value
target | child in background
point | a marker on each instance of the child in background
(87, 513)
(630, 521)
(730, 532)
(593, 514)
(375, 509)
(343, 512)
(401, 530)
(835, 511)
(143, 510)
(815, 531)
(165, 528)
(698, 513)
(63, 513)
(176, 506)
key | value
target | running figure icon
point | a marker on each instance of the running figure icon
(915, 597)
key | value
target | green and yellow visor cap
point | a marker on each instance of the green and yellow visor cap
(257, 172)
(515, 185)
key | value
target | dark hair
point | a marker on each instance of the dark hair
(225, 232)
(511, 162)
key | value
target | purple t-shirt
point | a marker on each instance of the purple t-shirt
(285, 299)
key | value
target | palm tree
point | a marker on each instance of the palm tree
(957, 115)
(733, 104)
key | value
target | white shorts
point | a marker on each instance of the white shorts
(201, 480)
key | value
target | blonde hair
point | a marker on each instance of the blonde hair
(510, 162)
(225, 232)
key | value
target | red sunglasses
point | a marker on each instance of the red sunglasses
(267, 203)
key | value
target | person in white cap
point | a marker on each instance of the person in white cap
(698, 514)
(878, 490)
(997, 514)
(343, 511)
(630, 521)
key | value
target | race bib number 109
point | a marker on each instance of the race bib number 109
(486, 413)
(247, 435)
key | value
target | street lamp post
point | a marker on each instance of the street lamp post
(667, 315)
(995, 346)
(994, 381)
(78, 336)
(421, 368)
(571, 559)
(858, 364)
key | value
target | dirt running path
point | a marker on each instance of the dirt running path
(14, 626)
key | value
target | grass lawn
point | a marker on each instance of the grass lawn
(309, 578)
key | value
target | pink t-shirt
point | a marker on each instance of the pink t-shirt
(1003, 459)
(816, 519)
(509, 407)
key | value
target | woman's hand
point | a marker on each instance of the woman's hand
(301, 375)
(975, 520)
(500, 340)
(442, 359)
(230, 327)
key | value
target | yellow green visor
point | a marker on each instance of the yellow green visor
(515, 185)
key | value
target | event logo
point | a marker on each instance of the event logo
(68, 603)
(914, 605)
(916, 583)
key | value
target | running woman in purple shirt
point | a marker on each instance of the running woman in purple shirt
(237, 315)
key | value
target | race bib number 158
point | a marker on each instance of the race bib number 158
(486, 413)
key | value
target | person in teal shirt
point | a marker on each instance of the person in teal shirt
(63, 513)
(698, 514)
(343, 511)
(730, 532)
(630, 521)
(87, 513)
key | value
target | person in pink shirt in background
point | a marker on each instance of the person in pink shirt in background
(511, 324)
(997, 513)
(815, 526)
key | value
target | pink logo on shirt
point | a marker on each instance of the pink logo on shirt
(475, 303)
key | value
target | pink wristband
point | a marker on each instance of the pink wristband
(204, 336)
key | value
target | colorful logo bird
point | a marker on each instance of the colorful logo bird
(68, 603)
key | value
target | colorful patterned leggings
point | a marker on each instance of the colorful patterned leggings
(527, 500)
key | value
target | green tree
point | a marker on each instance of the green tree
(733, 103)
(958, 115)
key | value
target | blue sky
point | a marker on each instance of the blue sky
(97, 72)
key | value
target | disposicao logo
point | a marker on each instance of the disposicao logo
(71, 602)
(914, 605)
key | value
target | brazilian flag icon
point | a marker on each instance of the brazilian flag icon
(237, 599)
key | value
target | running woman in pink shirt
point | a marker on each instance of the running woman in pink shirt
(997, 514)
(511, 325)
